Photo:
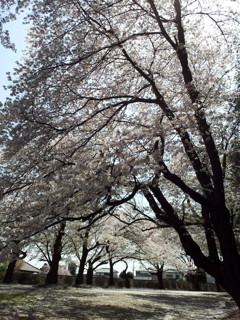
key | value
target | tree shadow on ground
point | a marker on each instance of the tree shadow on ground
(79, 311)
(78, 304)
(181, 301)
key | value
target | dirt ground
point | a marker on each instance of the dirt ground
(58, 303)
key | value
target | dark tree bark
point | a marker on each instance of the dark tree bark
(160, 277)
(111, 279)
(52, 276)
(111, 264)
(94, 262)
(125, 276)
(89, 279)
(79, 278)
(225, 272)
(8, 277)
(84, 255)
(216, 218)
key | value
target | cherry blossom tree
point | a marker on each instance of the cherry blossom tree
(85, 244)
(94, 243)
(126, 96)
(97, 258)
(156, 249)
(118, 247)
(48, 246)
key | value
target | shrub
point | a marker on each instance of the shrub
(3, 267)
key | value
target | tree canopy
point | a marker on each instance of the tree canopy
(121, 99)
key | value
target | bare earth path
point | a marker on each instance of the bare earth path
(32, 303)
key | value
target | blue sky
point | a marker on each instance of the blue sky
(18, 32)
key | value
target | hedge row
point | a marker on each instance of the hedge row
(39, 279)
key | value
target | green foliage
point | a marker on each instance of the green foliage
(72, 267)
(3, 267)
(182, 280)
(14, 298)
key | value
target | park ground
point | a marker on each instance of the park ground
(59, 303)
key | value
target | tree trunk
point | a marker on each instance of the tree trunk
(89, 280)
(8, 277)
(160, 278)
(52, 276)
(127, 282)
(111, 280)
(125, 276)
(79, 278)
(226, 272)
(230, 279)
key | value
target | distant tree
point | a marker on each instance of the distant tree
(126, 275)
(155, 248)
(118, 248)
(72, 267)
(97, 259)
(83, 244)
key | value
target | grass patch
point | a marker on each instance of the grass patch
(9, 298)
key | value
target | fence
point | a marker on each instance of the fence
(39, 279)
